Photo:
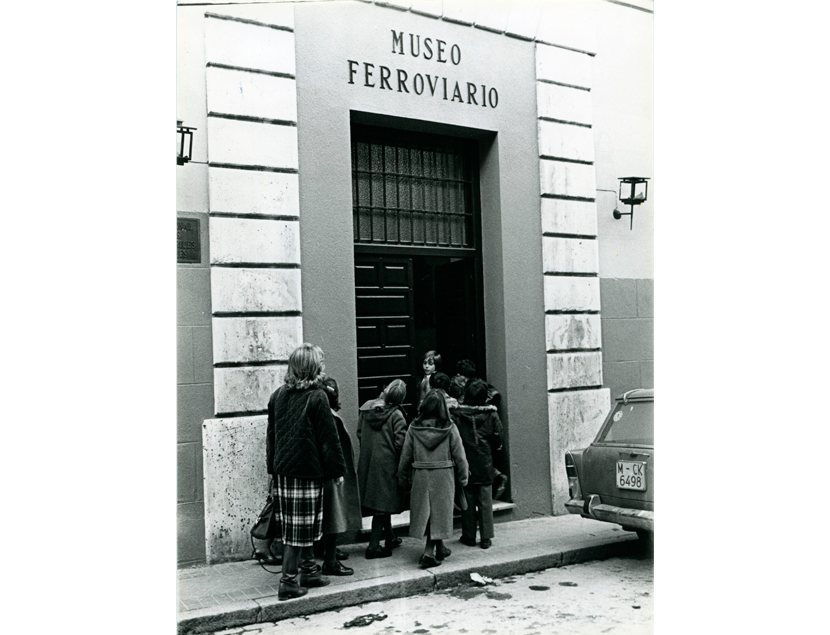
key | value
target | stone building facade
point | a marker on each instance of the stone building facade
(385, 178)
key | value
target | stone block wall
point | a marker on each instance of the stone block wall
(256, 303)
(577, 402)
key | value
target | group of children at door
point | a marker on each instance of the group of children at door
(443, 459)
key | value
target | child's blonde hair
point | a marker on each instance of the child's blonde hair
(395, 392)
(305, 367)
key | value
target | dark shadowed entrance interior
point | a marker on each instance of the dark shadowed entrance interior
(417, 255)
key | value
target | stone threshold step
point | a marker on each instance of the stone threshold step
(402, 519)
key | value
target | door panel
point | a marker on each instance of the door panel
(397, 276)
(377, 332)
(384, 307)
(383, 304)
(366, 275)
(385, 366)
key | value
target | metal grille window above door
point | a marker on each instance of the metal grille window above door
(411, 190)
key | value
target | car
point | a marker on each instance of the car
(612, 480)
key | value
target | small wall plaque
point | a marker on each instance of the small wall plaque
(187, 240)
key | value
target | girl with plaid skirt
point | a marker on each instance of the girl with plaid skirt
(303, 450)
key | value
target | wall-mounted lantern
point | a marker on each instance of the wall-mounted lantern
(633, 191)
(184, 143)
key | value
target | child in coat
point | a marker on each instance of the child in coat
(456, 389)
(432, 460)
(465, 372)
(431, 364)
(381, 427)
(481, 432)
(441, 382)
(340, 500)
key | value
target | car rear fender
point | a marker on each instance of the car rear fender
(599, 470)
(578, 458)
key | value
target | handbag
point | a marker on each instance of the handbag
(267, 524)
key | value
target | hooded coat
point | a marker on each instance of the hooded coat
(434, 458)
(381, 429)
(481, 433)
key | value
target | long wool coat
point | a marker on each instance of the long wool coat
(435, 459)
(381, 430)
(341, 503)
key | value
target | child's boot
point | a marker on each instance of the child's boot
(290, 588)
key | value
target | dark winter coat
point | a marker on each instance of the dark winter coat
(481, 432)
(342, 512)
(434, 459)
(381, 429)
(302, 438)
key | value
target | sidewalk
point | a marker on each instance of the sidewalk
(222, 596)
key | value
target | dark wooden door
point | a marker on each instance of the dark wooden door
(385, 324)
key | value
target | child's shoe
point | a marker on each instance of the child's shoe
(377, 552)
(427, 561)
(499, 485)
(336, 568)
(313, 579)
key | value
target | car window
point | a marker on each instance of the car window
(631, 423)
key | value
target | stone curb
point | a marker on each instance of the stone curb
(217, 618)
(405, 584)
(518, 566)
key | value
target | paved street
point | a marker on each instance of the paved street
(609, 596)
(235, 594)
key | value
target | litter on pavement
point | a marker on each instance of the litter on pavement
(480, 579)
(365, 620)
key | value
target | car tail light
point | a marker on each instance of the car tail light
(574, 490)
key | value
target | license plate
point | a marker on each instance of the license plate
(631, 475)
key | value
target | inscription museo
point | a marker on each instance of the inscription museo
(398, 80)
